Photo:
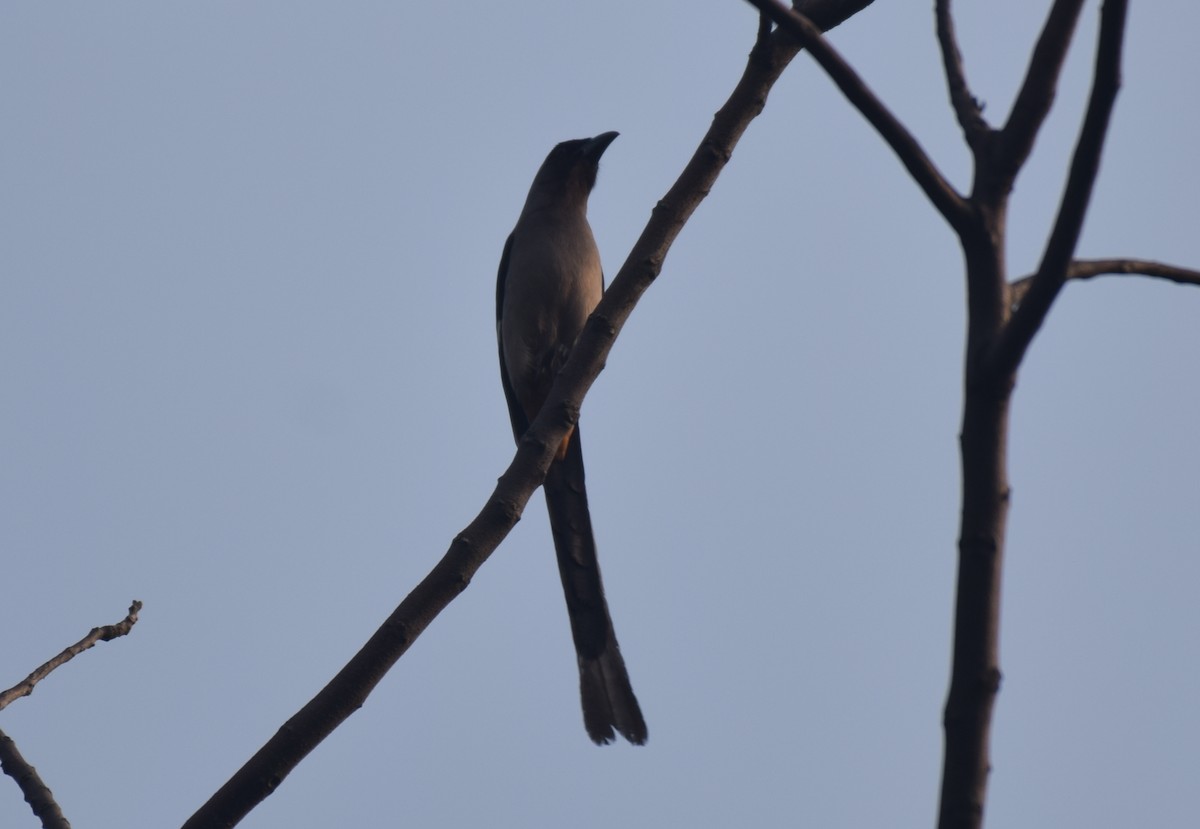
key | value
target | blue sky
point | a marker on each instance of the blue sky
(249, 377)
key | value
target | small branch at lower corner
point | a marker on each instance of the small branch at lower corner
(37, 794)
(1091, 268)
(100, 634)
(1038, 88)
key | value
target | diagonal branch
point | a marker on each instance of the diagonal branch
(966, 107)
(945, 198)
(1091, 268)
(101, 634)
(1036, 95)
(1085, 165)
(347, 691)
(37, 794)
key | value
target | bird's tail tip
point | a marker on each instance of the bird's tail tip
(609, 704)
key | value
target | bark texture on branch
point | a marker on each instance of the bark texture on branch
(37, 794)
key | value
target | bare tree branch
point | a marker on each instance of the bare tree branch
(939, 191)
(1036, 95)
(763, 40)
(1085, 165)
(347, 691)
(100, 634)
(37, 794)
(997, 339)
(966, 108)
(1091, 268)
(975, 674)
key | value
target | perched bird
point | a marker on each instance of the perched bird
(550, 281)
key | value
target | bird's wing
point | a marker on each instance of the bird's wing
(520, 423)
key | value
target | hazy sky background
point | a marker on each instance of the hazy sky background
(249, 377)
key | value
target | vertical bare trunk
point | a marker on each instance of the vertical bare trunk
(975, 671)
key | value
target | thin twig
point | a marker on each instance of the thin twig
(100, 634)
(944, 197)
(37, 794)
(1036, 95)
(1091, 268)
(966, 108)
(1085, 166)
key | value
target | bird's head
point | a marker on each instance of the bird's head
(569, 172)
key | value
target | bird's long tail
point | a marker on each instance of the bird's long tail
(607, 696)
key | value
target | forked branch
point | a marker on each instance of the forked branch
(939, 191)
(1085, 165)
(1036, 95)
(37, 794)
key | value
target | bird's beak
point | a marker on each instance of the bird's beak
(595, 147)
